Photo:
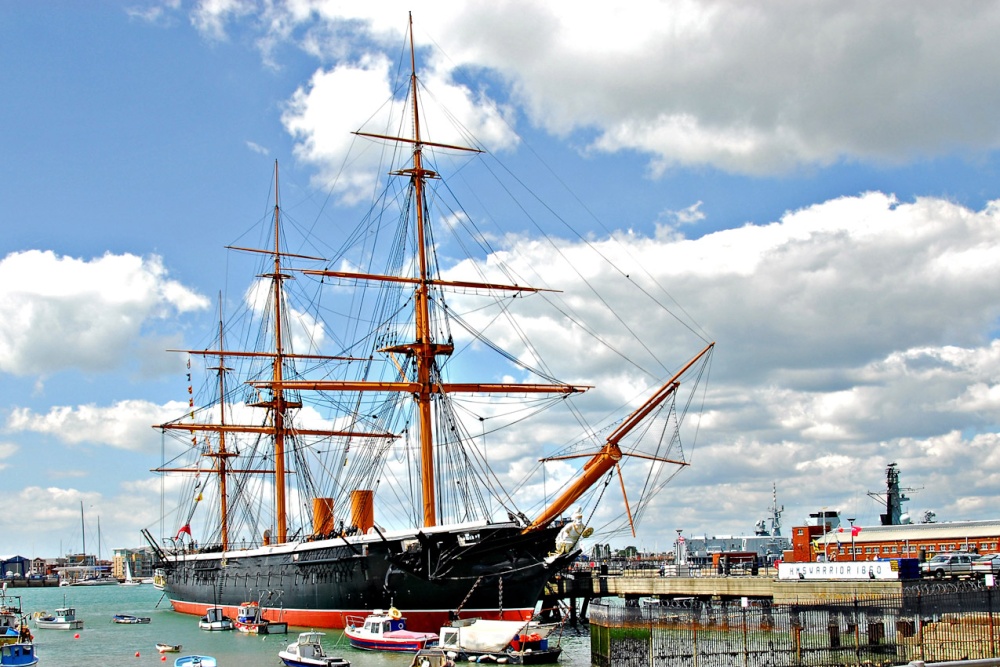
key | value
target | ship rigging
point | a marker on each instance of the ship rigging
(380, 419)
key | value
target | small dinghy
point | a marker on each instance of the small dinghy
(196, 661)
(129, 619)
(168, 648)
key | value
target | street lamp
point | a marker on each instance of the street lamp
(853, 555)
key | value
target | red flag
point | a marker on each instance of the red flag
(855, 530)
(840, 530)
(186, 528)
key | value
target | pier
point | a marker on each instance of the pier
(578, 587)
(27, 582)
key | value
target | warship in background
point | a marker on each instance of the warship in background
(766, 543)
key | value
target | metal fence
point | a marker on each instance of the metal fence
(934, 622)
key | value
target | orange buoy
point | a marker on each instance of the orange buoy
(137, 654)
(163, 658)
(76, 636)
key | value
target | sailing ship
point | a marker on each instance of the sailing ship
(91, 575)
(385, 423)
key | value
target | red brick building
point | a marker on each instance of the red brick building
(918, 540)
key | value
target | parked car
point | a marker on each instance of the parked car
(953, 565)
(986, 565)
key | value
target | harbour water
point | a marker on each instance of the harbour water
(101, 642)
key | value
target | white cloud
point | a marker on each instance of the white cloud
(321, 122)
(747, 88)
(853, 332)
(62, 312)
(123, 425)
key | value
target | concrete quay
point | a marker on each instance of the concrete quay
(584, 585)
(736, 587)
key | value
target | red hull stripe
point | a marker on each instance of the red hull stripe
(423, 621)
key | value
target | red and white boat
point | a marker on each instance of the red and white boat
(386, 631)
(250, 619)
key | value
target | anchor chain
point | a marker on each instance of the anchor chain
(468, 595)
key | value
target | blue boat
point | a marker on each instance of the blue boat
(196, 661)
(21, 654)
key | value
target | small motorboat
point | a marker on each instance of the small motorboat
(168, 648)
(63, 619)
(432, 657)
(215, 619)
(129, 619)
(308, 651)
(196, 661)
(13, 624)
(20, 654)
(250, 619)
(386, 631)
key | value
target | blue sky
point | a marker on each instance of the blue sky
(813, 182)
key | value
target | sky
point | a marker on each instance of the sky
(816, 184)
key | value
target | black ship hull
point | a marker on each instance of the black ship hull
(486, 570)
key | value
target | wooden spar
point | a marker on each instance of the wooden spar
(610, 454)
(411, 387)
(465, 284)
(269, 355)
(246, 428)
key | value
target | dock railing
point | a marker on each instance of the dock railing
(939, 622)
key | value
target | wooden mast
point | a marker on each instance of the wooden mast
(278, 405)
(221, 455)
(423, 349)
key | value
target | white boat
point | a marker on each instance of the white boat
(168, 648)
(129, 581)
(196, 661)
(307, 651)
(63, 619)
(129, 619)
(215, 619)
(93, 575)
(513, 642)
(96, 580)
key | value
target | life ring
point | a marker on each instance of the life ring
(394, 614)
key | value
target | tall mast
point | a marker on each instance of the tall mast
(279, 406)
(423, 350)
(83, 533)
(222, 455)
